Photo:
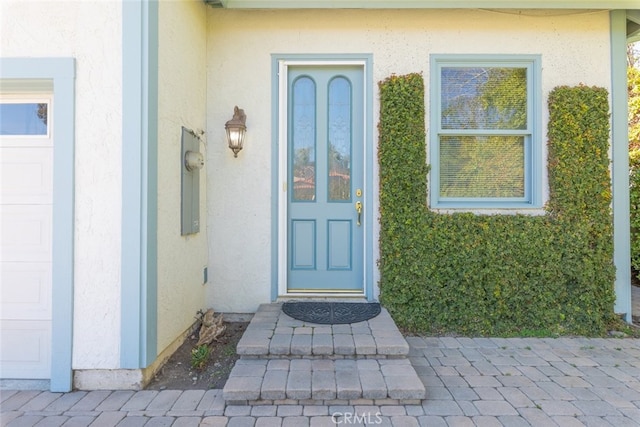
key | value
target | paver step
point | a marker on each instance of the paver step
(322, 381)
(273, 334)
(287, 361)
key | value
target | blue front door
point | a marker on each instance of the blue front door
(325, 154)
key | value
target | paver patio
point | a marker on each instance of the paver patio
(468, 382)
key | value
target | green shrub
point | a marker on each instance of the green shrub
(634, 194)
(497, 274)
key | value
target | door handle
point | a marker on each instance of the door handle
(359, 210)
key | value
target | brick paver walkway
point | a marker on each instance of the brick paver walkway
(470, 382)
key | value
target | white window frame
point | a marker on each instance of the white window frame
(533, 168)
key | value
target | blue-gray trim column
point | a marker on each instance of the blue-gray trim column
(620, 168)
(138, 342)
(63, 221)
(61, 71)
(275, 184)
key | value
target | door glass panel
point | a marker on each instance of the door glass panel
(23, 118)
(339, 131)
(304, 139)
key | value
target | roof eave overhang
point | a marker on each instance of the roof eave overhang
(424, 4)
(633, 14)
(633, 25)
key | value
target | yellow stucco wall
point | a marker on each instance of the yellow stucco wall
(574, 47)
(182, 102)
(209, 61)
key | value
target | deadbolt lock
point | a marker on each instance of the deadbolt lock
(358, 192)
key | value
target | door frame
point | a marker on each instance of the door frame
(280, 67)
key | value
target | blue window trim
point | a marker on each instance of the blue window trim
(533, 137)
(61, 72)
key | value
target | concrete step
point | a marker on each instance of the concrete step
(323, 381)
(273, 334)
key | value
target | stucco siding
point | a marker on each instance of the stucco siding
(90, 32)
(182, 102)
(574, 47)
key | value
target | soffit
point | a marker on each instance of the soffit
(425, 4)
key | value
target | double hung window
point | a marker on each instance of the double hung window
(485, 144)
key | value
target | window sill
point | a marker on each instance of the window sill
(531, 211)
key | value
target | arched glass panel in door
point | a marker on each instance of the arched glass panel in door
(339, 133)
(303, 129)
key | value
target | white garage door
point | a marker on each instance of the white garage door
(26, 196)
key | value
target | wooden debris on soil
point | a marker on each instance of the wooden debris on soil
(212, 328)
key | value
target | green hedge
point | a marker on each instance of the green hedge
(498, 274)
(634, 196)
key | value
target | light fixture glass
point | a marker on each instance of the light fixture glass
(236, 130)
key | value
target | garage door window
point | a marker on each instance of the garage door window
(24, 118)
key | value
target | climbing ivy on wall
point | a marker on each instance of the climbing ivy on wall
(498, 274)
(634, 198)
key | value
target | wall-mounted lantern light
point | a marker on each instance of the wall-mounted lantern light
(236, 130)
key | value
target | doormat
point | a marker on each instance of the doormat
(331, 313)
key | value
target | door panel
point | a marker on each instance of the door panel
(31, 300)
(26, 233)
(25, 349)
(303, 237)
(339, 243)
(25, 175)
(325, 154)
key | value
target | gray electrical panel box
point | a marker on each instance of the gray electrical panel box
(191, 161)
